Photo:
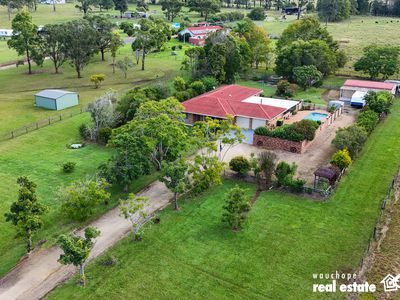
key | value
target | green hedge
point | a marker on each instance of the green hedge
(296, 132)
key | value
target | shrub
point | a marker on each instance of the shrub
(351, 138)
(286, 89)
(379, 102)
(84, 131)
(68, 167)
(80, 199)
(257, 14)
(209, 82)
(198, 87)
(179, 84)
(97, 79)
(104, 135)
(297, 132)
(173, 48)
(284, 173)
(235, 207)
(183, 95)
(262, 131)
(296, 185)
(341, 159)
(180, 47)
(240, 165)
(368, 119)
(108, 260)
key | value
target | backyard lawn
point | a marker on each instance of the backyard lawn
(312, 94)
(286, 240)
(40, 156)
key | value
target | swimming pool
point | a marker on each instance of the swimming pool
(316, 116)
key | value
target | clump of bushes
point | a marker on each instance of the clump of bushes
(296, 132)
(97, 79)
(68, 167)
(341, 159)
(296, 185)
(284, 173)
(108, 261)
(240, 165)
(226, 17)
(257, 14)
(286, 89)
(186, 90)
(379, 102)
(351, 138)
(368, 119)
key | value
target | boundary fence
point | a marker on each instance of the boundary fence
(41, 123)
(376, 232)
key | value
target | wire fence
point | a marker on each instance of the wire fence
(376, 232)
(41, 123)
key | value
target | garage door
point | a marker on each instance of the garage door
(258, 123)
(243, 122)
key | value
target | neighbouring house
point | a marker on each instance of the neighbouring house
(197, 35)
(249, 109)
(56, 99)
(350, 87)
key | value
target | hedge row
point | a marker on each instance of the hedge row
(296, 132)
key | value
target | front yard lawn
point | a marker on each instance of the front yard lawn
(286, 240)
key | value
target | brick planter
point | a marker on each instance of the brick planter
(280, 144)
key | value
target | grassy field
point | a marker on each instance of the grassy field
(17, 96)
(313, 94)
(40, 156)
(286, 240)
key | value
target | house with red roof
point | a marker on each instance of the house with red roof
(249, 109)
(197, 35)
(350, 87)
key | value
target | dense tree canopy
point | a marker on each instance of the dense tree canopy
(379, 60)
(204, 7)
(26, 41)
(315, 52)
(80, 43)
(333, 10)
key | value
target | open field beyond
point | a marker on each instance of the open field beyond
(17, 96)
(286, 240)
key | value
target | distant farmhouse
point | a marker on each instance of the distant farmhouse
(197, 34)
(249, 109)
(56, 99)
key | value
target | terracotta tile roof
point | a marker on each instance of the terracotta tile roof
(227, 100)
(369, 84)
(203, 29)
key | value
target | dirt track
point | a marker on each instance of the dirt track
(36, 276)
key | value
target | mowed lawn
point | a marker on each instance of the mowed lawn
(18, 88)
(40, 155)
(287, 239)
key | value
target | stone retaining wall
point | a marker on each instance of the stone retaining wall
(280, 144)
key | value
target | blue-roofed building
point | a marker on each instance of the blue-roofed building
(56, 99)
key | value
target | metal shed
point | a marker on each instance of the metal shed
(56, 99)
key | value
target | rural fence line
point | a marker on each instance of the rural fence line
(40, 124)
(376, 232)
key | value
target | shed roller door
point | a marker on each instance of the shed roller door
(243, 122)
(258, 123)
